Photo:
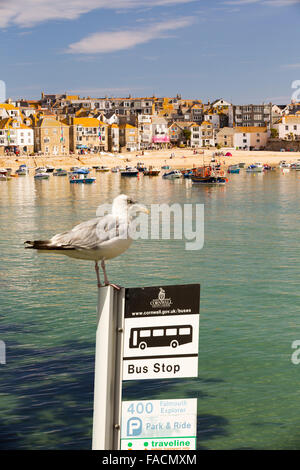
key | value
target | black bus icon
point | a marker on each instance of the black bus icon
(159, 336)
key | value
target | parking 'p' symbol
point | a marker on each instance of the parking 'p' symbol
(134, 427)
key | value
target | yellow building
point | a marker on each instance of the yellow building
(51, 137)
(128, 137)
(88, 134)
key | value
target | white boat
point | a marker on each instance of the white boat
(256, 168)
(4, 174)
(173, 174)
(50, 168)
(284, 164)
(41, 174)
(22, 170)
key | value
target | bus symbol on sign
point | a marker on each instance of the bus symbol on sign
(168, 336)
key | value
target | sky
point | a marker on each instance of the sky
(245, 51)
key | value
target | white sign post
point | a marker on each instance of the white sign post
(159, 424)
(108, 370)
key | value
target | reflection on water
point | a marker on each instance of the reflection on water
(247, 388)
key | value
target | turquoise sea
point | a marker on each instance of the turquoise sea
(247, 390)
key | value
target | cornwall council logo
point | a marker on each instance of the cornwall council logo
(161, 301)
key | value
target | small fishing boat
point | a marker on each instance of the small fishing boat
(234, 169)
(79, 177)
(188, 174)
(151, 171)
(141, 166)
(4, 176)
(22, 170)
(102, 169)
(41, 175)
(166, 167)
(267, 167)
(172, 175)
(50, 169)
(208, 176)
(130, 172)
(60, 172)
(115, 169)
(255, 168)
(284, 164)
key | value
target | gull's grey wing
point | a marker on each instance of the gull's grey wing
(90, 234)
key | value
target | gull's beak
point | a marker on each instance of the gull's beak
(140, 208)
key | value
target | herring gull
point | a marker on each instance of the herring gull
(98, 239)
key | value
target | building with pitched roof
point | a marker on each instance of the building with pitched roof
(51, 137)
(89, 134)
(15, 136)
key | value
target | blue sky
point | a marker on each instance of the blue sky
(245, 51)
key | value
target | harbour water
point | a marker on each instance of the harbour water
(248, 388)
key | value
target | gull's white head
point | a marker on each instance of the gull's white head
(124, 206)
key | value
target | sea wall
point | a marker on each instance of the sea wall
(287, 145)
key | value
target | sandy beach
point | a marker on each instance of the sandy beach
(184, 158)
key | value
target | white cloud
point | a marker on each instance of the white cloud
(112, 41)
(27, 13)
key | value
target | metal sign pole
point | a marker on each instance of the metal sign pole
(108, 369)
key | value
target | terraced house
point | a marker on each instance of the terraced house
(51, 137)
(88, 134)
(289, 127)
(251, 115)
(129, 138)
(15, 136)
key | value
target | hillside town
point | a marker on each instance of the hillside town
(62, 124)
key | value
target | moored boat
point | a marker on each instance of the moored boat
(41, 174)
(234, 169)
(151, 171)
(255, 168)
(22, 170)
(129, 171)
(173, 174)
(60, 172)
(141, 166)
(284, 164)
(102, 169)
(79, 177)
(4, 174)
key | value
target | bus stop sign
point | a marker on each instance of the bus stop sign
(161, 332)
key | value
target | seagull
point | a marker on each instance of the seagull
(98, 239)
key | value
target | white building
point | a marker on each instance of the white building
(14, 133)
(160, 131)
(145, 131)
(288, 127)
(195, 135)
(249, 138)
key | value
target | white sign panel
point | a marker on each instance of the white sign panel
(159, 425)
(161, 333)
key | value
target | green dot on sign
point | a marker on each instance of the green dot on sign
(129, 444)
(146, 444)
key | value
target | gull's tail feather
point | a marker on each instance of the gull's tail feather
(37, 244)
(45, 245)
